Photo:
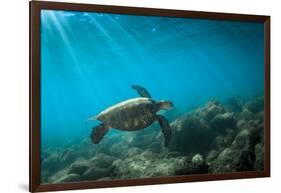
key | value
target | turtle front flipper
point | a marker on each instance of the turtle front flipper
(98, 133)
(141, 91)
(166, 129)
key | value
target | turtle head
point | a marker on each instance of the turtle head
(165, 105)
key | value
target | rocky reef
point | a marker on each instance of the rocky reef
(215, 138)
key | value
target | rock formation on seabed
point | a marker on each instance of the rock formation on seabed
(216, 138)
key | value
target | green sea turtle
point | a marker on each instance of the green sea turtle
(133, 114)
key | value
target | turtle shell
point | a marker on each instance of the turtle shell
(130, 115)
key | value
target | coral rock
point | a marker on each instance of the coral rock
(197, 160)
(78, 167)
(212, 155)
(259, 152)
(224, 121)
(69, 178)
(94, 173)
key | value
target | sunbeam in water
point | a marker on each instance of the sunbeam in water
(196, 107)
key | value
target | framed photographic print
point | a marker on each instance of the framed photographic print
(123, 96)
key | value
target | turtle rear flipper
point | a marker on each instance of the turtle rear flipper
(166, 129)
(98, 133)
(141, 91)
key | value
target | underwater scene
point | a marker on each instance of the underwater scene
(130, 96)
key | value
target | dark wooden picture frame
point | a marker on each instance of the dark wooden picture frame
(36, 6)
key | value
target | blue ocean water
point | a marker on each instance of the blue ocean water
(90, 60)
